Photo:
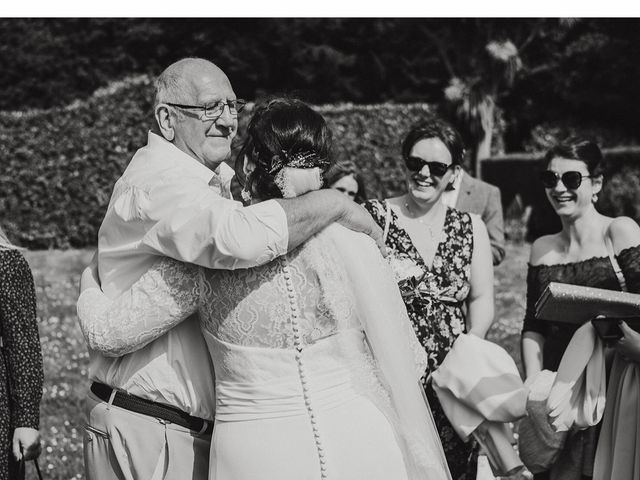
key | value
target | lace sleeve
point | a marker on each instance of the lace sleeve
(164, 296)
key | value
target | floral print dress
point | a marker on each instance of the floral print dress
(434, 298)
(20, 356)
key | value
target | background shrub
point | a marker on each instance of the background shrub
(59, 165)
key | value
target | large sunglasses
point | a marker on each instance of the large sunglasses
(571, 180)
(437, 169)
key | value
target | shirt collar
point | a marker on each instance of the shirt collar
(173, 154)
(225, 173)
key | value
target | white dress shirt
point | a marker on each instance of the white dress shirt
(163, 205)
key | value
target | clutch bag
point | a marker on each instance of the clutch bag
(566, 303)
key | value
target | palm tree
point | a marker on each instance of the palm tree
(474, 98)
(482, 72)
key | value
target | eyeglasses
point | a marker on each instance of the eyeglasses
(571, 180)
(437, 169)
(212, 112)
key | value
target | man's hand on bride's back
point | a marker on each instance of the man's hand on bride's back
(357, 218)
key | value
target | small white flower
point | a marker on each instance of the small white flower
(502, 51)
(403, 267)
(456, 327)
(455, 91)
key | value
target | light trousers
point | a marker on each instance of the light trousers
(123, 445)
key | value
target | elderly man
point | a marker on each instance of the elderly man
(150, 411)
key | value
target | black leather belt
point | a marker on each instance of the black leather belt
(152, 409)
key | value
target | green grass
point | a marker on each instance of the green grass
(56, 275)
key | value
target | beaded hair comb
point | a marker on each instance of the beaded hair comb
(308, 159)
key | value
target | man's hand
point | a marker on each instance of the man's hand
(629, 345)
(308, 214)
(26, 443)
(355, 217)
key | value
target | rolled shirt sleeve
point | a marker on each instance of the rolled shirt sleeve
(198, 226)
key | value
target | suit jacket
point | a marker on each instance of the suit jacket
(482, 198)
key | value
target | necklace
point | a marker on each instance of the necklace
(421, 221)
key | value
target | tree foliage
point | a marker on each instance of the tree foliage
(577, 71)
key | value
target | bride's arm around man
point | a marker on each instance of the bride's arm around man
(150, 412)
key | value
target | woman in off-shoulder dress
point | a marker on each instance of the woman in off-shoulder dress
(316, 364)
(592, 250)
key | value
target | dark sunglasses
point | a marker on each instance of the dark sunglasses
(570, 180)
(437, 169)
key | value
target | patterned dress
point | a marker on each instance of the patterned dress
(438, 317)
(21, 360)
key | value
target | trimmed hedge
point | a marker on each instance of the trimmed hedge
(59, 165)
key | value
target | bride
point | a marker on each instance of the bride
(317, 366)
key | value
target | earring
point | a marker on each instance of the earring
(245, 194)
(594, 198)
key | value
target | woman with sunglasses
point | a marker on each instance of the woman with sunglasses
(443, 263)
(579, 254)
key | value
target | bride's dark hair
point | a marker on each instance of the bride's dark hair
(282, 129)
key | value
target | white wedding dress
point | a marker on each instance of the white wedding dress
(300, 395)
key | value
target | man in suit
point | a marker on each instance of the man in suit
(475, 196)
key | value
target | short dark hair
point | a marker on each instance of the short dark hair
(278, 125)
(435, 128)
(586, 151)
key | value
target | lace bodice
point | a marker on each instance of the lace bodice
(252, 308)
(248, 307)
